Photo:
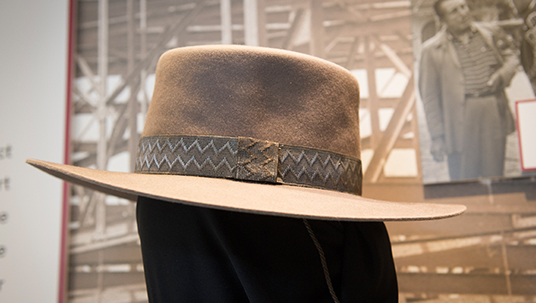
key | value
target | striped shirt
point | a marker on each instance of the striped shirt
(478, 63)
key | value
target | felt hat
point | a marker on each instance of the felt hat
(254, 130)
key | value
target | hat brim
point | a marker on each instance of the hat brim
(269, 199)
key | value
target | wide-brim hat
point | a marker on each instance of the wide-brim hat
(253, 130)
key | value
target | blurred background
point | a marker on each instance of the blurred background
(485, 255)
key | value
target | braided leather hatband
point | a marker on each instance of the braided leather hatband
(248, 159)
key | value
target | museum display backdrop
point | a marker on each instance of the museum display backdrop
(485, 255)
(33, 86)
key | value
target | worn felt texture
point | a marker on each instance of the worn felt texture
(266, 94)
(251, 197)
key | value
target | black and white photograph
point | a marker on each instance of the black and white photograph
(474, 60)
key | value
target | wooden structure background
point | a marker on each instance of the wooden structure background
(488, 254)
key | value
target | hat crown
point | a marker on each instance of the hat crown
(285, 123)
(267, 94)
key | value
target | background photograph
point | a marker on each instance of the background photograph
(486, 255)
(507, 30)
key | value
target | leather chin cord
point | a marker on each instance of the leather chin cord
(322, 260)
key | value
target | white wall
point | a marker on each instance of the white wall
(33, 70)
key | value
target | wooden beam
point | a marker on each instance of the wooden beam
(391, 133)
(351, 53)
(291, 33)
(317, 28)
(254, 22)
(372, 89)
(226, 22)
(177, 27)
(393, 56)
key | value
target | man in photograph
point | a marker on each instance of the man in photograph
(463, 71)
(526, 10)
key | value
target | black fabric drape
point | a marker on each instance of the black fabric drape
(195, 254)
